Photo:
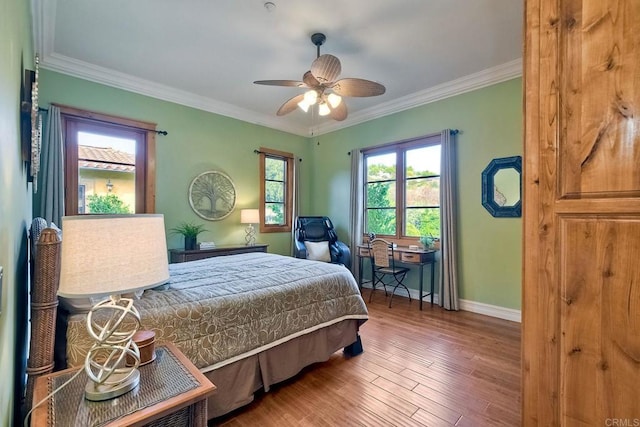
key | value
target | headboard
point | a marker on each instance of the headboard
(45, 275)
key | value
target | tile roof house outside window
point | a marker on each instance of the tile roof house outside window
(103, 171)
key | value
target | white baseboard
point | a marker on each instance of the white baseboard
(491, 310)
(472, 306)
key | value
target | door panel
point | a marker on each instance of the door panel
(599, 72)
(581, 210)
(600, 288)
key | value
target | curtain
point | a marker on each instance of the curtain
(52, 170)
(295, 207)
(356, 213)
(448, 284)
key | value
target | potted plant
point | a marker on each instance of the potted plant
(190, 232)
(428, 242)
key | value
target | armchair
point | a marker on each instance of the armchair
(313, 234)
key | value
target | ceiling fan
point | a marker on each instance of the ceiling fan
(323, 87)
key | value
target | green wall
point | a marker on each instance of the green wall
(490, 121)
(490, 124)
(15, 194)
(198, 141)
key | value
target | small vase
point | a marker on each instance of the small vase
(190, 243)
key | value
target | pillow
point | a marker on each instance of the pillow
(318, 251)
(82, 305)
(37, 225)
(56, 229)
(133, 295)
(78, 305)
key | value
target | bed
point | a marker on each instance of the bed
(247, 321)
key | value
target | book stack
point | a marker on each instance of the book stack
(207, 245)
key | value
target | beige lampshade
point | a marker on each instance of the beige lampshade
(249, 216)
(112, 254)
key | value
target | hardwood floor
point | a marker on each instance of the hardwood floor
(429, 368)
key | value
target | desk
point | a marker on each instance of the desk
(404, 255)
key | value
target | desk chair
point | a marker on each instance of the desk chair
(383, 264)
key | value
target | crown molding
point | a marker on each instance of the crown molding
(43, 18)
(484, 78)
(105, 76)
(108, 77)
(43, 21)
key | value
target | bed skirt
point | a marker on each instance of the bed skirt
(238, 381)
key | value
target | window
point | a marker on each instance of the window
(276, 190)
(402, 189)
(109, 164)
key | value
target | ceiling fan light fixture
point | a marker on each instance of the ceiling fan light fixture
(334, 100)
(311, 97)
(323, 86)
(323, 109)
(304, 105)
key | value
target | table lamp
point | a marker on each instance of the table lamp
(109, 256)
(250, 216)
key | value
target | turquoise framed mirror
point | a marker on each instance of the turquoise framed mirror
(502, 187)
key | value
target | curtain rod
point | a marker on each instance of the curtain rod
(451, 131)
(262, 152)
(159, 132)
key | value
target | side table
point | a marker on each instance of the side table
(172, 391)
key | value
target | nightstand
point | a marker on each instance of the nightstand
(179, 255)
(172, 392)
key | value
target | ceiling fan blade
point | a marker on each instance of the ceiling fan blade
(309, 80)
(326, 68)
(339, 113)
(293, 83)
(290, 105)
(357, 87)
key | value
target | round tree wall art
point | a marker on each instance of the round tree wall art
(212, 195)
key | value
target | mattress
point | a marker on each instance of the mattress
(224, 309)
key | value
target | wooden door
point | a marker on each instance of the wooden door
(581, 278)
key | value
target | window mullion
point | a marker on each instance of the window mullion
(400, 192)
(71, 168)
(140, 174)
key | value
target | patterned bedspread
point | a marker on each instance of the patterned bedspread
(221, 309)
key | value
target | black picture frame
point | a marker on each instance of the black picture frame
(488, 187)
(31, 124)
(25, 114)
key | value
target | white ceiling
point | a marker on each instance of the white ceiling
(207, 53)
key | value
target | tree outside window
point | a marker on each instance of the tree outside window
(381, 194)
(422, 191)
(276, 190)
(107, 204)
(402, 190)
